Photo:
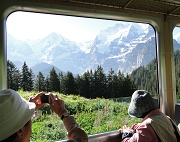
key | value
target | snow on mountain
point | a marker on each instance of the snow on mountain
(55, 46)
(177, 37)
(122, 34)
(124, 47)
(85, 46)
(18, 50)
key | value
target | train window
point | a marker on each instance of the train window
(176, 43)
(93, 64)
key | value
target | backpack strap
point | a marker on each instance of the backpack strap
(176, 129)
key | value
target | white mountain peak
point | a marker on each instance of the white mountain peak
(124, 46)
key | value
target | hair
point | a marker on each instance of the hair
(144, 114)
(13, 136)
(10, 138)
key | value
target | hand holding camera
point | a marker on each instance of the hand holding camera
(45, 98)
(56, 104)
(37, 100)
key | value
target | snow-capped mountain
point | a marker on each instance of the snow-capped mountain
(122, 47)
(177, 37)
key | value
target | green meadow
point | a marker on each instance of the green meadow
(93, 115)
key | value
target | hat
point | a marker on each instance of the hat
(141, 103)
(15, 112)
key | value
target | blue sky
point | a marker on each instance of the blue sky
(26, 25)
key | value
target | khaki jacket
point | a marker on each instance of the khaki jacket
(75, 133)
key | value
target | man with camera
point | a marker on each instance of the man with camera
(16, 114)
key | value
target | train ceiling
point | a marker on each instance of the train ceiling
(165, 7)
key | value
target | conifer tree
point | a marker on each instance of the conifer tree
(78, 85)
(26, 78)
(13, 76)
(30, 80)
(146, 77)
(177, 71)
(91, 82)
(110, 91)
(40, 84)
(61, 77)
(120, 82)
(47, 82)
(17, 80)
(128, 87)
(86, 87)
(116, 87)
(69, 84)
(100, 82)
(54, 83)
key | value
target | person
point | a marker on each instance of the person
(155, 126)
(16, 114)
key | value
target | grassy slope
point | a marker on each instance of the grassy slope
(93, 115)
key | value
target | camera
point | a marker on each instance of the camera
(45, 98)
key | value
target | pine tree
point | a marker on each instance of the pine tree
(110, 89)
(69, 84)
(40, 84)
(47, 82)
(100, 82)
(30, 80)
(78, 85)
(13, 76)
(61, 77)
(116, 90)
(86, 85)
(119, 84)
(128, 87)
(26, 78)
(54, 83)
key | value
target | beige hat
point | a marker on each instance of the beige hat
(15, 112)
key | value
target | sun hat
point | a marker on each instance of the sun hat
(15, 112)
(141, 103)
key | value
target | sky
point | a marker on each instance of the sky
(28, 25)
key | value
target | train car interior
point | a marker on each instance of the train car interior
(162, 15)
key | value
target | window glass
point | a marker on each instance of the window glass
(93, 64)
(176, 44)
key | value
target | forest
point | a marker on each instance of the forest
(146, 77)
(98, 101)
(90, 84)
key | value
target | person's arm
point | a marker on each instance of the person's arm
(75, 133)
(37, 100)
(144, 133)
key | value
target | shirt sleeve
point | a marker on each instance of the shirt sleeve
(144, 133)
(75, 133)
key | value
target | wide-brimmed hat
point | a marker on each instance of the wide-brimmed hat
(15, 112)
(141, 103)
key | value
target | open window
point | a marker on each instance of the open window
(93, 64)
(176, 43)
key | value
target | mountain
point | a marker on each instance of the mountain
(122, 47)
(18, 50)
(45, 68)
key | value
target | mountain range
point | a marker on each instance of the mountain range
(122, 47)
